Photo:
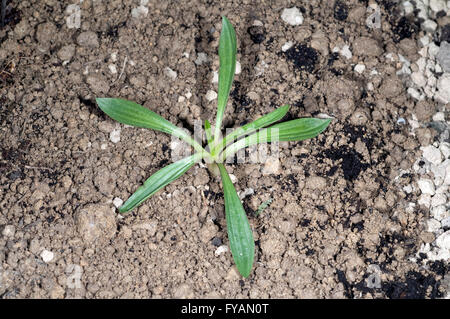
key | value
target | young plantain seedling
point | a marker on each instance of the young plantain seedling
(219, 149)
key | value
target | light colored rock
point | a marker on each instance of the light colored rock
(220, 250)
(112, 68)
(445, 223)
(292, 16)
(287, 46)
(429, 26)
(114, 136)
(139, 12)
(419, 79)
(211, 95)
(438, 199)
(426, 186)
(47, 256)
(443, 241)
(9, 231)
(360, 68)
(171, 74)
(443, 56)
(201, 58)
(272, 166)
(238, 67)
(345, 51)
(365, 46)
(437, 5)
(117, 202)
(433, 225)
(440, 212)
(432, 154)
(73, 20)
(439, 117)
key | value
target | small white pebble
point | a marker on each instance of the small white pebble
(360, 68)
(238, 67)
(47, 256)
(211, 95)
(432, 154)
(117, 202)
(429, 26)
(114, 136)
(426, 186)
(287, 46)
(401, 121)
(9, 231)
(170, 73)
(443, 241)
(433, 225)
(292, 16)
(424, 200)
(139, 12)
(419, 79)
(445, 223)
(215, 78)
(112, 68)
(345, 51)
(233, 178)
(220, 250)
(424, 41)
(114, 57)
(181, 99)
(440, 212)
(104, 146)
(438, 200)
(188, 95)
(201, 58)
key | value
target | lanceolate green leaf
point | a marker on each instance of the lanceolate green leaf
(208, 132)
(131, 113)
(295, 130)
(263, 121)
(158, 180)
(240, 234)
(227, 57)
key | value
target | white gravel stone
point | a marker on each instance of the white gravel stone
(287, 46)
(414, 93)
(201, 58)
(292, 16)
(433, 49)
(73, 21)
(408, 7)
(443, 241)
(440, 212)
(9, 231)
(424, 200)
(360, 68)
(445, 223)
(437, 5)
(139, 12)
(438, 199)
(238, 67)
(170, 73)
(424, 41)
(426, 186)
(432, 154)
(443, 86)
(443, 56)
(429, 26)
(112, 68)
(419, 79)
(114, 136)
(345, 51)
(220, 250)
(444, 148)
(117, 202)
(215, 78)
(47, 256)
(433, 225)
(211, 95)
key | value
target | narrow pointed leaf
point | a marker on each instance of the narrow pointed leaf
(159, 180)
(295, 130)
(131, 113)
(208, 132)
(227, 68)
(263, 121)
(242, 244)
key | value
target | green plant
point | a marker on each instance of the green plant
(260, 131)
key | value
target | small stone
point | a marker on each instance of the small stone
(9, 231)
(443, 56)
(345, 51)
(437, 5)
(292, 16)
(426, 186)
(432, 154)
(438, 200)
(443, 241)
(419, 79)
(271, 166)
(114, 136)
(238, 67)
(171, 74)
(445, 148)
(201, 58)
(211, 95)
(424, 41)
(117, 202)
(443, 86)
(220, 250)
(215, 78)
(287, 46)
(365, 46)
(139, 12)
(445, 223)
(112, 68)
(88, 39)
(429, 26)
(408, 7)
(73, 21)
(440, 213)
(360, 68)
(433, 225)
(47, 256)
